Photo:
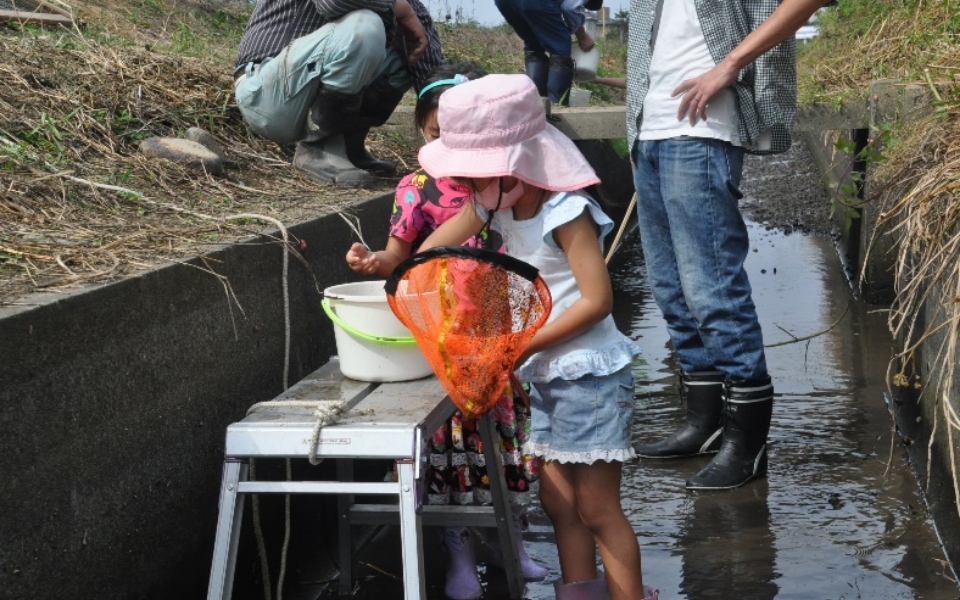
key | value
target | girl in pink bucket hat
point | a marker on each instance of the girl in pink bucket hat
(527, 182)
(455, 470)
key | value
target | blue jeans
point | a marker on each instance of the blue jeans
(345, 55)
(695, 243)
(539, 23)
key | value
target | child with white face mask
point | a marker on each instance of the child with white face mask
(455, 473)
(528, 182)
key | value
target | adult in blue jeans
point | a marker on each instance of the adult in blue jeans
(322, 73)
(546, 44)
(708, 81)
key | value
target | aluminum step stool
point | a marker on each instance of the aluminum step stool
(386, 421)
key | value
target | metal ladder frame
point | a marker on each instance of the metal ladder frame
(400, 413)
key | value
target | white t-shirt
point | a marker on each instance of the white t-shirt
(681, 53)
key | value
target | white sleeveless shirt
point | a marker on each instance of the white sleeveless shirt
(602, 349)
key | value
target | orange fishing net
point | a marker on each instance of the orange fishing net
(473, 313)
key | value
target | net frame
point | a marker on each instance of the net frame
(470, 328)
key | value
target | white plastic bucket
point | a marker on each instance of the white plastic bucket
(372, 343)
(585, 63)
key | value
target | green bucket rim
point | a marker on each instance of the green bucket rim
(382, 340)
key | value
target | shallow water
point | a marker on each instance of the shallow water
(839, 515)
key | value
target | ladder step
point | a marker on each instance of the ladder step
(442, 516)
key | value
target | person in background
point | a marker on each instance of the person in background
(574, 14)
(546, 45)
(455, 474)
(527, 180)
(321, 73)
(707, 82)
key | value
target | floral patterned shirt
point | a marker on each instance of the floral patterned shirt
(422, 203)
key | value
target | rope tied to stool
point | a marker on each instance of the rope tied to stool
(327, 412)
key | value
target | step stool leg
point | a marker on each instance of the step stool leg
(228, 531)
(411, 541)
(344, 501)
(507, 534)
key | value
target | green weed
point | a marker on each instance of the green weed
(849, 195)
(186, 41)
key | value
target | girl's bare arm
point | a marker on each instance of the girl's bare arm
(455, 230)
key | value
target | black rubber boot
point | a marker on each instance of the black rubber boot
(377, 104)
(537, 68)
(748, 406)
(703, 393)
(321, 155)
(325, 161)
(559, 79)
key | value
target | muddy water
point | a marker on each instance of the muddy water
(839, 515)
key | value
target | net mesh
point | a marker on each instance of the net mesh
(473, 313)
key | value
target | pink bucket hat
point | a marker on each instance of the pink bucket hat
(495, 126)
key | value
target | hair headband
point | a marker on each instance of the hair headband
(456, 80)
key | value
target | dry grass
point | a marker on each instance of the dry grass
(864, 40)
(80, 204)
(922, 211)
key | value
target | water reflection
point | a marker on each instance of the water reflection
(832, 520)
(727, 548)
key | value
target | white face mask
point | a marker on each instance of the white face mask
(489, 196)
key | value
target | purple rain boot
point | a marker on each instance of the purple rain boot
(462, 581)
(650, 593)
(529, 568)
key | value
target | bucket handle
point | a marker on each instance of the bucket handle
(376, 339)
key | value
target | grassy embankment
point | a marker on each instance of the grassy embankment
(80, 204)
(916, 180)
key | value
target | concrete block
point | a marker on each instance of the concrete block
(592, 122)
(580, 123)
(822, 117)
(917, 103)
(885, 101)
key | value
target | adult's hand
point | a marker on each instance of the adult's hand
(781, 24)
(698, 92)
(410, 33)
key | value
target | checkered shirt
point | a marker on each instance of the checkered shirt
(766, 89)
(275, 23)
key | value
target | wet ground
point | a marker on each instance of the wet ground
(839, 516)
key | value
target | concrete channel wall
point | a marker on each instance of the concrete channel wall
(114, 403)
(922, 414)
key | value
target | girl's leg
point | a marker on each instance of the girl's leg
(575, 542)
(597, 491)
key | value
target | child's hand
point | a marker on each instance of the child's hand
(362, 260)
